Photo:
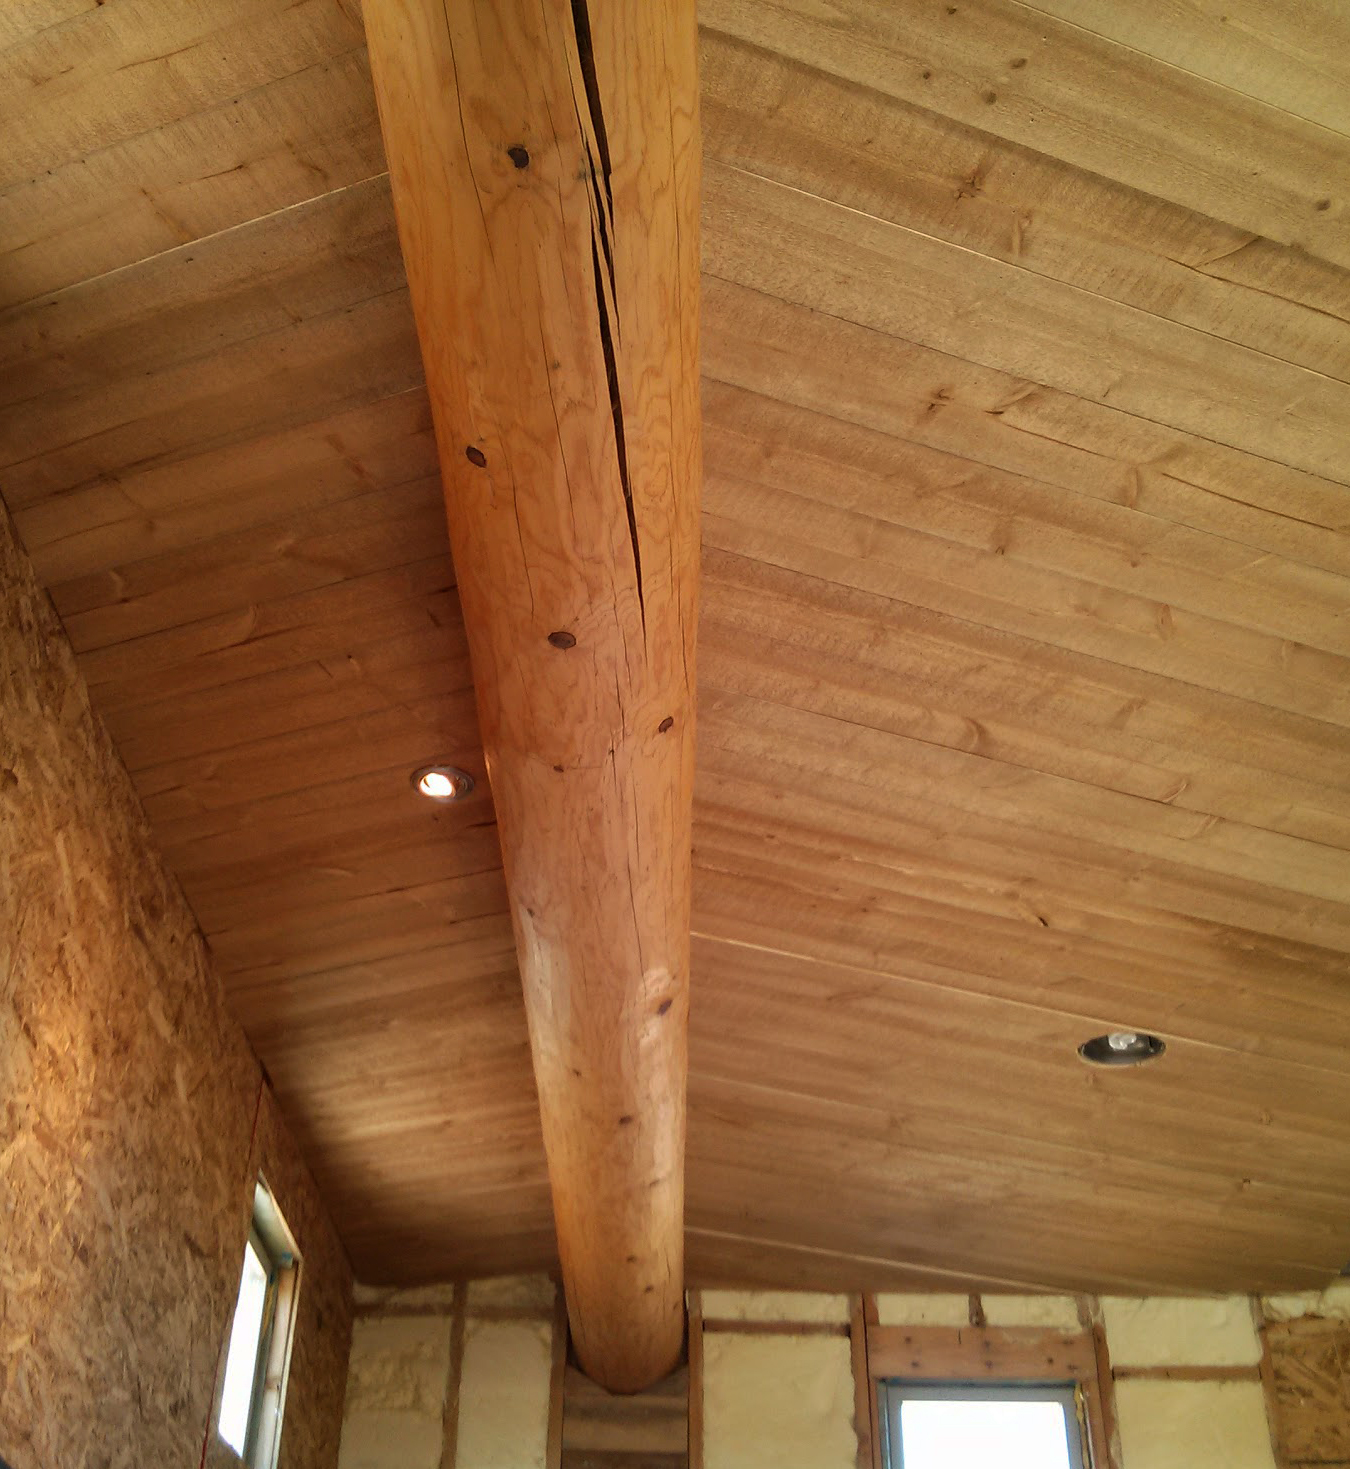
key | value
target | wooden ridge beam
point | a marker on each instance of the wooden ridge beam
(544, 161)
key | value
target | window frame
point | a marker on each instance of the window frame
(977, 1353)
(893, 1393)
(274, 1245)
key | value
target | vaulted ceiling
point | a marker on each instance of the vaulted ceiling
(1024, 655)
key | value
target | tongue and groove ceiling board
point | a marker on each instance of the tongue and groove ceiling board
(1025, 645)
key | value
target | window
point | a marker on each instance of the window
(951, 1426)
(258, 1360)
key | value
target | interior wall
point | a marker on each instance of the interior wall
(1185, 1383)
(134, 1115)
(770, 1397)
(476, 1376)
(452, 1375)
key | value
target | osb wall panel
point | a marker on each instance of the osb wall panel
(128, 1100)
(1310, 1391)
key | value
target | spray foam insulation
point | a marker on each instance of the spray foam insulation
(504, 1395)
(1181, 1331)
(763, 1305)
(396, 1389)
(770, 1401)
(1193, 1425)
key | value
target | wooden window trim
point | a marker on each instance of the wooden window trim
(976, 1354)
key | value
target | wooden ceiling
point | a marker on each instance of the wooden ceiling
(1024, 652)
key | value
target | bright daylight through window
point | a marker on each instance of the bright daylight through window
(955, 1427)
(258, 1360)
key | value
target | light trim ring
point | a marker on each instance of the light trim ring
(442, 783)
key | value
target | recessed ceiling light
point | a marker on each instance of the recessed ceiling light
(1121, 1048)
(442, 782)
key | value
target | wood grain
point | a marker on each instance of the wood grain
(1023, 653)
(570, 450)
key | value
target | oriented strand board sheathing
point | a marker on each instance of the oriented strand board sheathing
(1193, 1425)
(504, 1395)
(783, 1305)
(1310, 1391)
(396, 1393)
(1181, 1331)
(771, 1401)
(128, 1095)
(128, 1104)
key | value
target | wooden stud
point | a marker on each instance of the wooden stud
(864, 1388)
(556, 1394)
(968, 1353)
(775, 1328)
(450, 1416)
(1187, 1374)
(545, 174)
(1106, 1441)
(1267, 1371)
(695, 1379)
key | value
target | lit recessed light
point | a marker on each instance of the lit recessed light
(442, 782)
(1121, 1048)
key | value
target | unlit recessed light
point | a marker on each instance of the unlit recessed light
(1121, 1048)
(442, 782)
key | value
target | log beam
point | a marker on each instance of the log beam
(544, 163)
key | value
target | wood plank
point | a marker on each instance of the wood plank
(553, 1449)
(863, 658)
(361, 536)
(327, 622)
(1002, 67)
(1188, 1374)
(972, 1243)
(906, 284)
(917, 836)
(1289, 55)
(268, 149)
(971, 1353)
(266, 383)
(322, 255)
(71, 90)
(450, 1410)
(730, 1258)
(825, 365)
(813, 131)
(712, 1326)
(602, 1428)
(20, 24)
(862, 930)
(991, 1213)
(1055, 805)
(876, 1120)
(574, 521)
(143, 512)
(864, 1390)
(694, 1318)
(360, 931)
(367, 679)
